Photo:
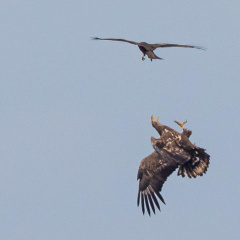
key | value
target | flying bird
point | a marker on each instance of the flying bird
(147, 48)
(171, 151)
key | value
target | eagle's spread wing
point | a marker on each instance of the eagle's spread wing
(197, 166)
(162, 45)
(153, 172)
(115, 39)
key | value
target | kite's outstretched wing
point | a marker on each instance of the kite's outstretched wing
(162, 45)
(153, 172)
(115, 39)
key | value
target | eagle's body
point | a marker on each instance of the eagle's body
(172, 150)
(147, 48)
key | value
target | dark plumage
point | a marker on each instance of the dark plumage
(146, 48)
(171, 151)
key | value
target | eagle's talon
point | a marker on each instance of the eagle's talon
(153, 120)
(181, 124)
(143, 58)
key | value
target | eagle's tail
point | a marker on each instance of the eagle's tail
(197, 166)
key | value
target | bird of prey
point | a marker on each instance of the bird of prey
(147, 49)
(171, 151)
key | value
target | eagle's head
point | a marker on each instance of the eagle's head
(157, 144)
(153, 141)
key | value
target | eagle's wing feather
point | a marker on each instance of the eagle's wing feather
(115, 39)
(153, 172)
(197, 165)
(151, 202)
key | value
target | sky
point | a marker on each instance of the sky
(75, 117)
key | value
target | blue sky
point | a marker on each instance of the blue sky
(75, 117)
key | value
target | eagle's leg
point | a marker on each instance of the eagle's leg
(143, 58)
(181, 124)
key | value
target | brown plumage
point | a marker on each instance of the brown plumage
(147, 48)
(171, 151)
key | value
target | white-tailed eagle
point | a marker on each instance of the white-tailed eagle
(147, 48)
(171, 151)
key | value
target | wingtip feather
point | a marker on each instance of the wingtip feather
(160, 197)
(147, 205)
(138, 198)
(201, 48)
(142, 201)
(151, 203)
